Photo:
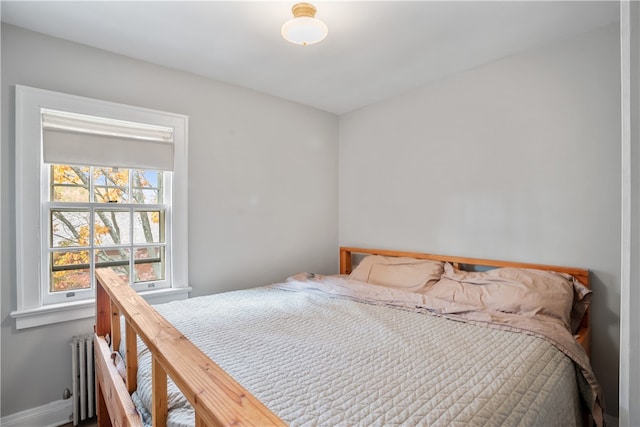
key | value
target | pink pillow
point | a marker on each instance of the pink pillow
(410, 274)
(527, 292)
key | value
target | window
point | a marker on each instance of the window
(103, 217)
(99, 184)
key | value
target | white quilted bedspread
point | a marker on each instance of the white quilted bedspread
(321, 361)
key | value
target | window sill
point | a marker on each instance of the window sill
(56, 313)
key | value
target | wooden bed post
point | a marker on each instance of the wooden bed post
(101, 328)
(345, 261)
(103, 311)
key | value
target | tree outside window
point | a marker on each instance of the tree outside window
(105, 217)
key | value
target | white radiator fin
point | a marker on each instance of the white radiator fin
(82, 377)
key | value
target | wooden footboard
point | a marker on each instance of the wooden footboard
(217, 399)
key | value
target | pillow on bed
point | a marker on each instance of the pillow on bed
(522, 291)
(410, 274)
(581, 301)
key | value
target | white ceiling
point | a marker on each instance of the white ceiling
(374, 50)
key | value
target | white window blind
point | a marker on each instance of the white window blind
(70, 138)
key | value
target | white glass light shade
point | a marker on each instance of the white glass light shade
(304, 30)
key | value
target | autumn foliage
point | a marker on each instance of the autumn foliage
(76, 241)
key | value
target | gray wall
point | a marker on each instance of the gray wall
(262, 187)
(518, 159)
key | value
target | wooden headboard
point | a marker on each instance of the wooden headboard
(582, 275)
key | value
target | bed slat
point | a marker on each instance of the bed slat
(131, 357)
(115, 326)
(159, 395)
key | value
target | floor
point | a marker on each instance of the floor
(88, 423)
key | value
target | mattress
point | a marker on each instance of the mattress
(324, 360)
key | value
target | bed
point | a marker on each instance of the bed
(398, 340)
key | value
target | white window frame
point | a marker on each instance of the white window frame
(30, 308)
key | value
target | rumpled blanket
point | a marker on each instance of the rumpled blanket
(545, 327)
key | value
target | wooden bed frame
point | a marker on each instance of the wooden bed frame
(217, 399)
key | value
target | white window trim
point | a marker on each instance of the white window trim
(30, 310)
(84, 309)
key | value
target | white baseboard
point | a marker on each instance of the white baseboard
(50, 415)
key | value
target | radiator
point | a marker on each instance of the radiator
(82, 378)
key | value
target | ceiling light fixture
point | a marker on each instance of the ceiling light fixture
(304, 29)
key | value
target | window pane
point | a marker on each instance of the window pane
(148, 226)
(69, 228)
(110, 194)
(117, 259)
(69, 270)
(111, 185)
(111, 227)
(66, 193)
(69, 183)
(146, 196)
(148, 264)
(146, 186)
(67, 174)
